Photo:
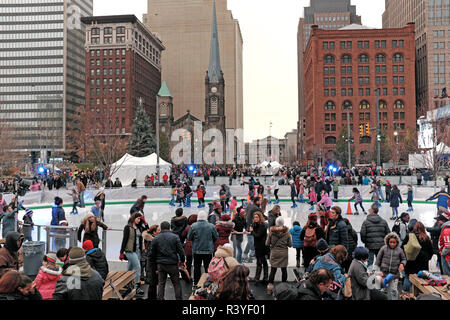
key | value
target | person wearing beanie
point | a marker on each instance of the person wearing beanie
(297, 244)
(310, 235)
(279, 241)
(48, 275)
(27, 225)
(359, 275)
(178, 223)
(224, 229)
(215, 215)
(79, 281)
(89, 224)
(322, 246)
(96, 258)
(203, 235)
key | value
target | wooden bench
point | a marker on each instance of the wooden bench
(116, 283)
(420, 285)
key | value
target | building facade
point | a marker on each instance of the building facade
(344, 69)
(123, 69)
(184, 26)
(432, 43)
(328, 15)
(41, 70)
(291, 146)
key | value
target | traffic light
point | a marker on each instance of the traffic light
(368, 129)
(361, 130)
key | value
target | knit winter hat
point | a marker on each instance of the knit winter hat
(361, 253)
(28, 211)
(50, 258)
(322, 245)
(202, 216)
(76, 254)
(88, 245)
(228, 246)
(279, 222)
(217, 206)
(63, 221)
(89, 215)
(225, 217)
(312, 216)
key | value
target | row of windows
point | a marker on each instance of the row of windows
(32, 18)
(31, 35)
(107, 81)
(364, 116)
(362, 92)
(106, 72)
(98, 101)
(30, 97)
(363, 58)
(31, 53)
(21, 115)
(440, 33)
(30, 80)
(107, 31)
(332, 18)
(32, 26)
(107, 52)
(108, 40)
(38, 88)
(31, 70)
(96, 91)
(440, 57)
(364, 80)
(364, 105)
(31, 9)
(330, 45)
(107, 62)
(26, 45)
(440, 45)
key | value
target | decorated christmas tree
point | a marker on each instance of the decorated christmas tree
(142, 142)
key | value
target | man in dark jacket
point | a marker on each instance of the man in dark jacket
(9, 258)
(373, 231)
(273, 215)
(165, 251)
(316, 287)
(96, 259)
(253, 207)
(178, 223)
(79, 281)
(337, 232)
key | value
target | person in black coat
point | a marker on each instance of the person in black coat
(352, 244)
(178, 223)
(337, 232)
(316, 287)
(394, 201)
(258, 230)
(96, 259)
(309, 249)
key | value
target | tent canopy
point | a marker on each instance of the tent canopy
(129, 167)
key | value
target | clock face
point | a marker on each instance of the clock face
(213, 89)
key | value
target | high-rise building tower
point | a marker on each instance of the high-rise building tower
(432, 34)
(184, 26)
(41, 69)
(328, 15)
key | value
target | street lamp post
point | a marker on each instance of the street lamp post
(348, 139)
(157, 139)
(396, 148)
(377, 90)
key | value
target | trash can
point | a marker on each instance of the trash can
(33, 254)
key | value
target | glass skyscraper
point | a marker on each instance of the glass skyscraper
(42, 65)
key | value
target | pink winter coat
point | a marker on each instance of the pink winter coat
(326, 200)
(46, 281)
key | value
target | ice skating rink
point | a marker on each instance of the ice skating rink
(116, 217)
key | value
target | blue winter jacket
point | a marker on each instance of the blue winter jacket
(329, 262)
(203, 235)
(57, 215)
(442, 198)
(410, 196)
(96, 211)
(295, 233)
(8, 220)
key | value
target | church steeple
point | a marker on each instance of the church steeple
(214, 70)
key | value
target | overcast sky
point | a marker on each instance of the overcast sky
(272, 96)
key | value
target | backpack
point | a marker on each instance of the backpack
(310, 237)
(286, 291)
(216, 268)
(412, 248)
(396, 227)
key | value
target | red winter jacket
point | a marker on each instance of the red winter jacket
(444, 241)
(46, 282)
(224, 229)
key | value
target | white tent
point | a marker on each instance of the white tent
(128, 168)
(275, 165)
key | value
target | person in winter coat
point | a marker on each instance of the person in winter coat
(279, 241)
(388, 189)
(316, 286)
(373, 231)
(8, 220)
(132, 246)
(358, 200)
(214, 216)
(310, 235)
(336, 184)
(442, 198)
(178, 223)
(226, 252)
(391, 260)
(293, 193)
(395, 199)
(444, 247)
(333, 261)
(90, 284)
(96, 258)
(258, 230)
(325, 201)
(435, 232)
(297, 244)
(352, 243)
(188, 244)
(151, 267)
(203, 235)
(273, 215)
(423, 259)
(254, 206)
(240, 225)
(359, 275)
(410, 198)
(100, 196)
(375, 195)
(28, 225)
(402, 225)
(337, 229)
(89, 224)
(224, 229)
(9, 258)
(47, 277)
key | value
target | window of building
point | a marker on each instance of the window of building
(329, 58)
(346, 58)
(363, 58)
(350, 92)
(379, 58)
(330, 105)
(364, 105)
(330, 140)
(107, 30)
(95, 31)
(326, 92)
(398, 57)
(399, 104)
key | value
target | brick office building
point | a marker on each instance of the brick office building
(123, 64)
(343, 69)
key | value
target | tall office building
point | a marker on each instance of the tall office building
(184, 26)
(432, 35)
(41, 69)
(328, 15)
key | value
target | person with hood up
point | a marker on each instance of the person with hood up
(297, 244)
(188, 243)
(89, 282)
(48, 275)
(391, 259)
(96, 258)
(226, 252)
(373, 231)
(224, 229)
(89, 224)
(178, 223)
(279, 241)
(9, 257)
